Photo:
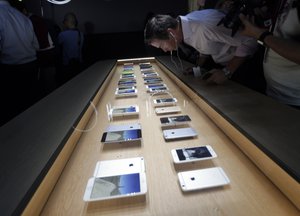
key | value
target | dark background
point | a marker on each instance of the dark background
(112, 28)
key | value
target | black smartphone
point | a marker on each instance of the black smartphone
(173, 120)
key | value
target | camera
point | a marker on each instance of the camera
(247, 7)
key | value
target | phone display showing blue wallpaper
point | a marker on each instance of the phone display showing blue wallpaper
(125, 110)
(123, 135)
(126, 91)
(116, 185)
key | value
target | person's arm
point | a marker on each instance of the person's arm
(286, 48)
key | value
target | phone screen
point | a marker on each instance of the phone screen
(193, 153)
(179, 118)
(116, 185)
(158, 89)
(174, 119)
(165, 100)
(128, 91)
(124, 110)
(115, 136)
(126, 82)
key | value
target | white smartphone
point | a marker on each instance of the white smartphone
(167, 110)
(191, 154)
(179, 133)
(121, 136)
(119, 167)
(123, 127)
(116, 186)
(126, 93)
(165, 101)
(203, 178)
(124, 110)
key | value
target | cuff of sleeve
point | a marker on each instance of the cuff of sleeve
(197, 71)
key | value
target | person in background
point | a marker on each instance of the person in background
(18, 62)
(199, 29)
(45, 54)
(71, 42)
(282, 56)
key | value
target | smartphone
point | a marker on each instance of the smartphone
(152, 78)
(145, 65)
(128, 79)
(126, 83)
(119, 166)
(126, 93)
(159, 88)
(125, 88)
(127, 76)
(123, 127)
(155, 85)
(127, 72)
(116, 186)
(124, 110)
(179, 133)
(167, 110)
(203, 178)
(121, 136)
(153, 81)
(128, 66)
(145, 70)
(184, 155)
(174, 120)
(152, 74)
(164, 101)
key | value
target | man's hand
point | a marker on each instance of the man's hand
(217, 76)
(188, 71)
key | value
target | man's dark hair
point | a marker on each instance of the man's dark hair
(156, 27)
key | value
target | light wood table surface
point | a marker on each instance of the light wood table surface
(250, 192)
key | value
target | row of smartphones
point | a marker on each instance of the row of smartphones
(124, 177)
(110, 183)
(127, 83)
(131, 90)
(132, 132)
(127, 177)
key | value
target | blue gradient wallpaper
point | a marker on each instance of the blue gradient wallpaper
(116, 185)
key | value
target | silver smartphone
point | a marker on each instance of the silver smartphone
(126, 93)
(179, 133)
(203, 178)
(167, 110)
(124, 110)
